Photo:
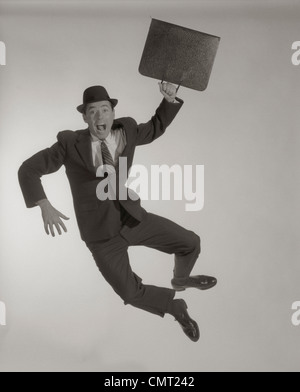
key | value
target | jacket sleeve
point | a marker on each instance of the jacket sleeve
(165, 114)
(44, 162)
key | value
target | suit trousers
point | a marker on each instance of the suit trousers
(154, 232)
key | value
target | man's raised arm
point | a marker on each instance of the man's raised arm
(165, 114)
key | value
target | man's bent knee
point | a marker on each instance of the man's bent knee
(197, 244)
(134, 297)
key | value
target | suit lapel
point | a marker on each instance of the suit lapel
(128, 148)
(84, 149)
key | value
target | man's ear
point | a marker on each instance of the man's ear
(84, 118)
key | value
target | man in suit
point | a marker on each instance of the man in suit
(109, 227)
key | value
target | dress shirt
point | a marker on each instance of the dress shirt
(116, 143)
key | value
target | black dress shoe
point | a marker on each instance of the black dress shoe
(200, 282)
(189, 326)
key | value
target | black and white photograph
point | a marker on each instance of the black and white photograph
(150, 163)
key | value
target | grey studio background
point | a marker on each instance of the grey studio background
(61, 314)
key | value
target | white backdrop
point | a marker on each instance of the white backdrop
(61, 314)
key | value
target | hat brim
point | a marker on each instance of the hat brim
(81, 108)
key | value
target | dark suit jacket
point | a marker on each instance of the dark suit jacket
(97, 220)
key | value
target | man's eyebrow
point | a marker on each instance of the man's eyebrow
(102, 106)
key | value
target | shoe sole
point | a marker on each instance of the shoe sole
(182, 288)
(196, 326)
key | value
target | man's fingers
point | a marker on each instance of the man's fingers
(63, 216)
(46, 228)
(58, 228)
(52, 220)
(163, 88)
(168, 90)
(63, 226)
(52, 229)
(160, 87)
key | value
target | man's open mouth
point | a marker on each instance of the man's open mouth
(101, 127)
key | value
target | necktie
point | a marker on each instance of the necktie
(106, 155)
(110, 172)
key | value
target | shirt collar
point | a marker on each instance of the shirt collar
(108, 140)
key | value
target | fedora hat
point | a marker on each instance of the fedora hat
(95, 94)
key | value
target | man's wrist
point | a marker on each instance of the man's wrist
(170, 100)
(42, 202)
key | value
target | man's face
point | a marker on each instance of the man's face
(100, 117)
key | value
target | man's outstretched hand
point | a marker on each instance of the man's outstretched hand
(52, 217)
(168, 90)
